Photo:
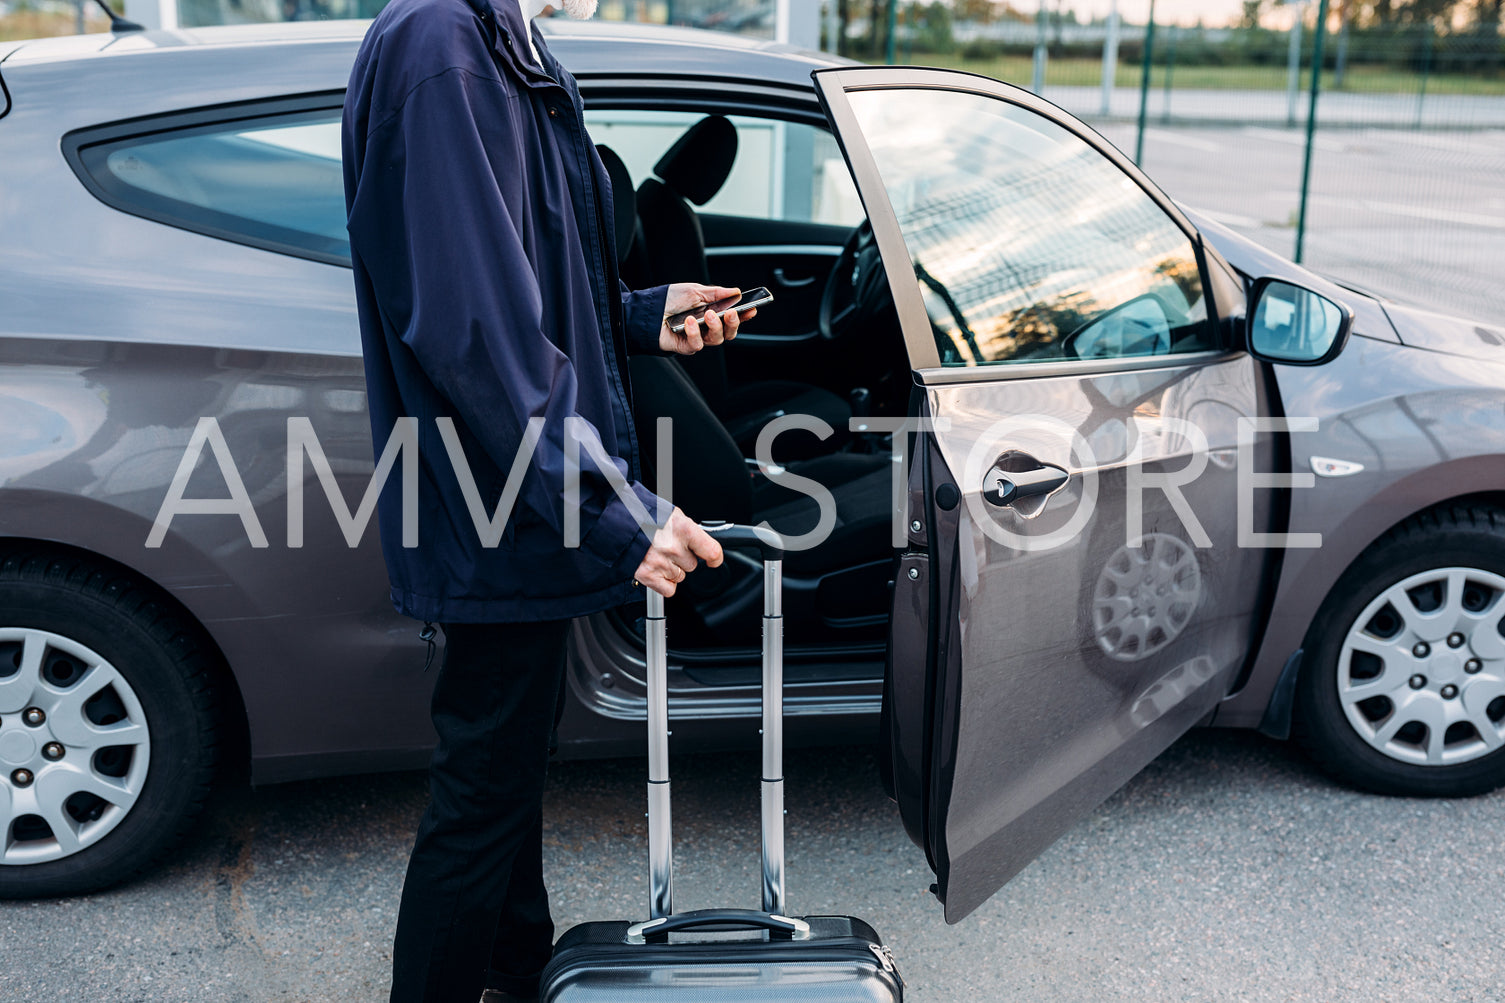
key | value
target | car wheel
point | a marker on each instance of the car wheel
(108, 734)
(1403, 687)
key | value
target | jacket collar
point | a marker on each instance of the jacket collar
(509, 39)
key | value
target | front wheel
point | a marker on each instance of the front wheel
(1403, 690)
(108, 733)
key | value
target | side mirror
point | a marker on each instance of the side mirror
(1294, 326)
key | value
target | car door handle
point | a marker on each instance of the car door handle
(1004, 487)
(781, 278)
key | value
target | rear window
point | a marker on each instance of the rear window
(273, 182)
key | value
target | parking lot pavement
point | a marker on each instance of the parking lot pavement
(1228, 870)
(1417, 216)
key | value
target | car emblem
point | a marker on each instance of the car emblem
(1325, 467)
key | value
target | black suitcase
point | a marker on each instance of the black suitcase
(722, 955)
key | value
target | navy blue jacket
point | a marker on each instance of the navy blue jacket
(481, 237)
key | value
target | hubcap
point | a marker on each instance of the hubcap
(74, 746)
(1145, 596)
(1421, 675)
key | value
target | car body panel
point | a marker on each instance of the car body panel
(1438, 332)
(1443, 438)
(98, 431)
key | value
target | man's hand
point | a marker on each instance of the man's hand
(696, 335)
(674, 552)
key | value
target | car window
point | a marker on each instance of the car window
(1028, 244)
(273, 182)
(783, 170)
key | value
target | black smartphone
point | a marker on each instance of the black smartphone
(736, 304)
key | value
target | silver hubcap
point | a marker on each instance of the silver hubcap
(74, 746)
(1145, 596)
(1422, 672)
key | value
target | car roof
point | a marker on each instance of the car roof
(146, 72)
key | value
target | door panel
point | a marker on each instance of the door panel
(1078, 552)
(1074, 666)
(792, 259)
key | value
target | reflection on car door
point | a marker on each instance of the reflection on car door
(1073, 597)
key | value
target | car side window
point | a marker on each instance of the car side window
(784, 170)
(272, 182)
(1029, 245)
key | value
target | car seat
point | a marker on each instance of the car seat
(673, 250)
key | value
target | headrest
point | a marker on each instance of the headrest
(624, 201)
(700, 161)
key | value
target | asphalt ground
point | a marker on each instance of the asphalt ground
(1228, 870)
(1418, 216)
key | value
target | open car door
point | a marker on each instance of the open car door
(1073, 595)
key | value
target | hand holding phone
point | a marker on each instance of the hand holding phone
(735, 304)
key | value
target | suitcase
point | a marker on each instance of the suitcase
(722, 955)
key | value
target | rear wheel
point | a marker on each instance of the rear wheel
(108, 734)
(1404, 690)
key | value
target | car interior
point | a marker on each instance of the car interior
(845, 360)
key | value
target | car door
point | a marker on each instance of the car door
(1073, 595)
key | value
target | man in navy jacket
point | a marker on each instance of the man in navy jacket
(492, 316)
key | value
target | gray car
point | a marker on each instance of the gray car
(1099, 470)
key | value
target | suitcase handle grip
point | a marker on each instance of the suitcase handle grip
(721, 919)
(769, 544)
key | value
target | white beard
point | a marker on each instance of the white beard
(580, 10)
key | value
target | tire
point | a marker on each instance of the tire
(1402, 688)
(108, 725)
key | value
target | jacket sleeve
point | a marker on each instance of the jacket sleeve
(436, 219)
(643, 311)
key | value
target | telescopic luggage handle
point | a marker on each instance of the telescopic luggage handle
(731, 536)
(769, 546)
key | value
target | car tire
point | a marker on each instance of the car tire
(109, 730)
(1409, 647)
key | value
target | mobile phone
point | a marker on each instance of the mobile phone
(735, 304)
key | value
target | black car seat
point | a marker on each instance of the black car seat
(629, 230)
(710, 479)
(673, 250)
(844, 578)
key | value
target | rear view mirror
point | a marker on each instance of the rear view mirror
(1292, 325)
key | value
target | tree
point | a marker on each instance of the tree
(980, 11)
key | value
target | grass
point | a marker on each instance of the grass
(37, 24)
(1088, 73)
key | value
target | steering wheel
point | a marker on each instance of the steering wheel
(841, 300)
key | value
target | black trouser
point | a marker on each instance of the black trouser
(474, 894)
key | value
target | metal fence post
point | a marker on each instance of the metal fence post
(1038, 82)
(1311, 127)
(1110, 60)
(1340, 70)
(889, 51)
(1426, 71)
(1144, 84)
(1170, 68)
(1293, 65)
